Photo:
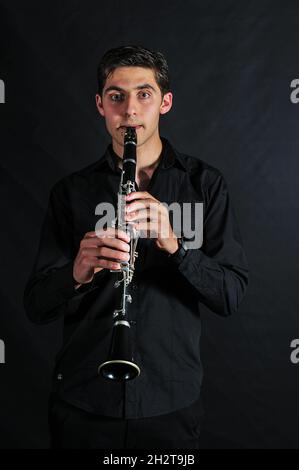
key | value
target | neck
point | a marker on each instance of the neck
(148, 154)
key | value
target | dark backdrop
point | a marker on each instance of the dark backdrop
(231, 64)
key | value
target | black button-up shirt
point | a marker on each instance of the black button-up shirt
(168, 294)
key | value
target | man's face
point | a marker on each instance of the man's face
(132, 97)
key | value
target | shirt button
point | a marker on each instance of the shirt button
(59, 377)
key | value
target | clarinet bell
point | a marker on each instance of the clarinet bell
(120, 364)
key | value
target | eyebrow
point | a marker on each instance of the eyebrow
(139, 87)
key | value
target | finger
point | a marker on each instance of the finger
(121, 234)
(146, 214)
(90, 234)
(96, 270)
(105, 264)
(112, 232)
(105, 252)
(117, 243)
(138, 195)
(139, 214)
(112, 265)
(153, 229)
(133, 206)
(111, 242)
(148, 229)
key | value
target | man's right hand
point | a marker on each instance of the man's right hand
(100, 250)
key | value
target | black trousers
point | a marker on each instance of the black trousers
(73, 428)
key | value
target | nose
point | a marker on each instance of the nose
(130, 106)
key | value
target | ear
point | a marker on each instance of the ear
(166, 104)
(99, 104)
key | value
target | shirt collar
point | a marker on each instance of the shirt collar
(169, 157)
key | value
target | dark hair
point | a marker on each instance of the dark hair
(126, 56)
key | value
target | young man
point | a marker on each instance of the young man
(73, 274)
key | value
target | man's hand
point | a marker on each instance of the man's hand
(152, 217)
(100, 250)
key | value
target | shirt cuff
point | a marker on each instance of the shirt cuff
(178, 256)
(65, 280)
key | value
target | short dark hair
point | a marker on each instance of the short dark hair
(126, 56)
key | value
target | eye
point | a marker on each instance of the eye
(143, 93)
(116, 97)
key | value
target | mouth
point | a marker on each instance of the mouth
(135, 127)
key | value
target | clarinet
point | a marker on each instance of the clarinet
(120, 364)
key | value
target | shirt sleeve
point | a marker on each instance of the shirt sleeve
(218, 270)
(51, 285)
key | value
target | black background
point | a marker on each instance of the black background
(231, 66)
